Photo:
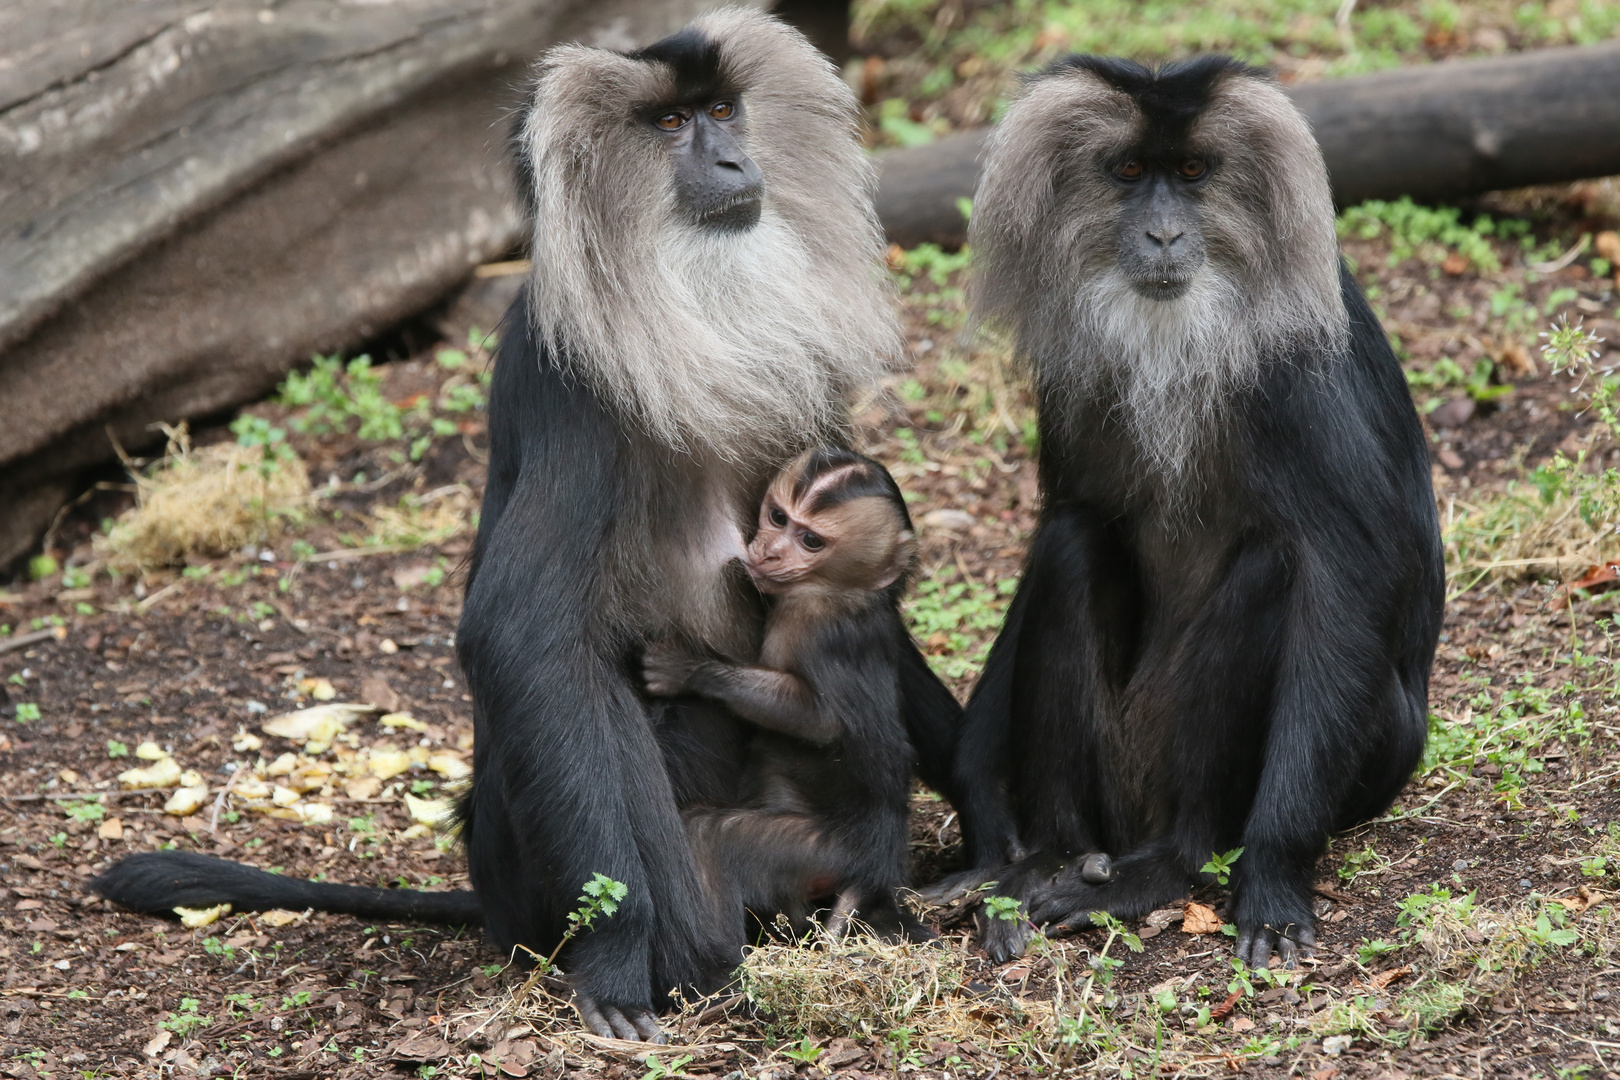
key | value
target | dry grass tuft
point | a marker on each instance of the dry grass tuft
(204, 503)
(1520, 536)
(422, 520)
(860, 986)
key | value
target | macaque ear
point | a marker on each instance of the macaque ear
(905, 553)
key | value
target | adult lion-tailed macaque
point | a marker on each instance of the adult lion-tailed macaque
(707, 293)
(827, 772)
(1223, 634)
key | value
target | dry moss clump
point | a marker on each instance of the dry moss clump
(860, 986)
(205, 503)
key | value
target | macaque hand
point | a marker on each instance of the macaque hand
(666, 667)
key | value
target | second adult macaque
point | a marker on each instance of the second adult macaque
(821, 812)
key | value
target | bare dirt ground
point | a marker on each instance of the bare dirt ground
(1512, 809)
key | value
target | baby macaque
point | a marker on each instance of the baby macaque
(821, 813)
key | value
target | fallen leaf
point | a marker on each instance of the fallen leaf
(318, 688)
(150, 751)
(186, 800)
(1455, 264)
(1607, 244)
(111, 829)
(1224, 1009)
(158, 1043)
(401, 720)
(387, 764)
(1198, 918)
(251, 787)
(1595, 579)
(30, 905)
(421, 1048)
(449, 766)
(246, 742)
(375, 689)
(278, 917)
(364, 787)
(283, 765)
(1242, 1023)
(68, 776)
(319, 724)
(1325, 1074)
(197, 918)
(1334, 1045)
(162, 773)
(1384, 978)
(41, 926)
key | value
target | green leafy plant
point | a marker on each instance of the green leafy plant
(805, 1053)
(1221, 865)
(27, 712)
(85, 811)
(657, 1070)
(186, 1019)
(1004, 907)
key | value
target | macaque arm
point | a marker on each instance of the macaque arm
(776, 700)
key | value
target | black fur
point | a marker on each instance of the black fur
(699, 67)
(186, 879)
(1171, 97)
(1255, 676)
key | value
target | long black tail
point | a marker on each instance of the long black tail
(157, 882)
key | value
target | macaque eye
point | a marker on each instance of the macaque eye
(778, 518)
(671, 121)
(1131, 170)
(722, 110)
(1193, 168)
(812, 542)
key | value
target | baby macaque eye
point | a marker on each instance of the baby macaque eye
(812, 542)
(778, 518)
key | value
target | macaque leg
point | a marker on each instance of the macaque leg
(843, 910)
(761, 862)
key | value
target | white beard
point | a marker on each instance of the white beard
(724, 342)
(1173, 363)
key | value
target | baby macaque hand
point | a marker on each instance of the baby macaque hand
(665, 668)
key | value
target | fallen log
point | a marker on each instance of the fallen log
(1439, 131)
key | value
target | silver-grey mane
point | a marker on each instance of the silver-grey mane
(1043, 237)
(729, 343)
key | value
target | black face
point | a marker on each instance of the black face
(1160, 243)
(717, 183)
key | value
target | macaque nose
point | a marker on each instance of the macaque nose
(1165, 233)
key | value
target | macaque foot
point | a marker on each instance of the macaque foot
(611, 1022)
(1004, 939)
(956, 886)
(1293, 943)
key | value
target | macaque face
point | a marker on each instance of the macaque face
(856, 544)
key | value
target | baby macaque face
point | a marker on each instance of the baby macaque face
(828, 530)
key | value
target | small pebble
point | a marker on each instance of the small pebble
(1460, 865)
(1524, 883)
